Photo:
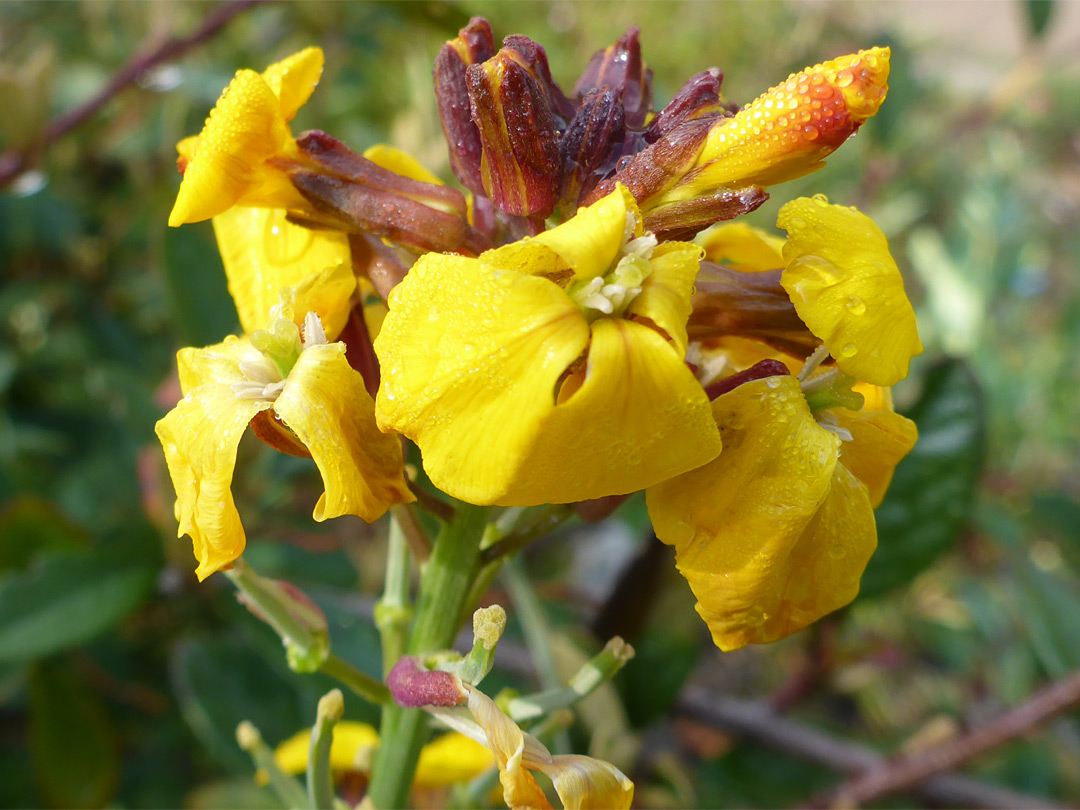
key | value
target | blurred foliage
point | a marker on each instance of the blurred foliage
(121, 680)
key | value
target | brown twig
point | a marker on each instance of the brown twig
(903, 772)
(754, 720)
(15, 161)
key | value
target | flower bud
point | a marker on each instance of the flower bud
(700, 96)
(474, 44)
(511, 107)
(588, 147)
(684, 220)
(619, 67)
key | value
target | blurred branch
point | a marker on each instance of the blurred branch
(755, 721)
(905, 771)
(14, 161)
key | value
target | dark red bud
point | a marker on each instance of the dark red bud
(520, 165)
(532, 55)
(413, 687)
(685, 219)
(589, 147)
(766, 368)
(619, 67)
(473, 45)
(699, 96)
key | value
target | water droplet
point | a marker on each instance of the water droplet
(433, 314)
(844, 78)
(795, 223)
(849, 351)
(810, 132)
(837, 551)
(821, 200)
(824, 270)
(772, 382)
(755, 617)
(855, 305)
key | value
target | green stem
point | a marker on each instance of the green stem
(288, 790)
(320, 780)
(534, 625)
(393, 611)
(359, 682)
(444, 587)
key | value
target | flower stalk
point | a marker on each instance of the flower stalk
(320, 780)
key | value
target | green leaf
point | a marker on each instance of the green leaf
(29, 526)
(73, 747)
(65, 600)
(201, 305)
(1039, 13)
(932, 491)
(1048, 607)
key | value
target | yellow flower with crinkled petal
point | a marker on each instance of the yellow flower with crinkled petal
(538, 373)
(847, 289)
(225, 164)
(447, 760)
(311, 393)
(776, 531)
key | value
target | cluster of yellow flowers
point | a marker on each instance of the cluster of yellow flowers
(541, 338)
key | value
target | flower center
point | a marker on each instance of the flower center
(611, 294)
(279, 347)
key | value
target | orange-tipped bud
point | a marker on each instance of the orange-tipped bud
(788, 131)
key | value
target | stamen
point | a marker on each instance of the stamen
(314, 334)
(820, 355)
(829, 422)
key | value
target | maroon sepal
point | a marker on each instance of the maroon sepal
(589, 147)
(699, 96)
(683, 220)
(619, 67)
(758, 371)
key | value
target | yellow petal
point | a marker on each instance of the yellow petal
(325, 404)
(769, 535)
(875, 397)
(742, 247)
(244, 129)
(880, 439)
(587, 244)
(200, 436)
(187, 148)
(263, 252)
(788, 131)
(638, 418)
(665, 294)
(585, 783)
(400, 162)
(219, 363)
(450, 759)
(294, 78)
(350, 750)
(847, 289)
(329, 294)
(470, 358)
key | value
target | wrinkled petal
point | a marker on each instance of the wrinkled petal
(219, 363)
(584, 783)
(788, 131)
(665, 295)
(450, 759)
(400, 162)
(294, 78)
(880, 439)
(847, 289)
(325, 404)
(743, 247)
(470, 377)
(638, 418)
(244, 129)
(200, 436)
(263, 252)
(586, 244)
(769, 535)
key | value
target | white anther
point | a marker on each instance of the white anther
(314, 334)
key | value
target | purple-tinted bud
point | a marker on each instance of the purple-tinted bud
(520, 166)
(685, 219)
(532, 54)
(619, 67)
(414, 687)
(589, 147)
(474, 44)
(699, 96)
(766, 368)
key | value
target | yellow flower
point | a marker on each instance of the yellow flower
(447, 760)
(549, 370)
(580, 781)
(226, 164)
(788, 131)
(776, 531)
(310, 395)
(847, 289)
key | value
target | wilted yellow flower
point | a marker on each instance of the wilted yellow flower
(311, 395)
(226, 164)
(776, 531)
(447, 760)
(549, 370)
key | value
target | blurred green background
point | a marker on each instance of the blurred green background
(122, 679)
